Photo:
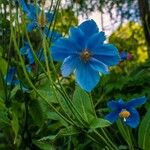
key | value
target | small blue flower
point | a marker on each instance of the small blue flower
(125, 55)
(85, 53)
(10, 77)
(126, 111)
(26, 51)
(37, 16)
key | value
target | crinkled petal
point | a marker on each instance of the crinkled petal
(136, 102)
(95, 40)
(86, 77)
(98, 66)
(133, 119)
(112, 116)
(31, 26)
(89, 28)
(77, 35)
(69, 65)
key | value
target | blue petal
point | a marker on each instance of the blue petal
(95, 40)
(136, 102)
(86, 77)
(116, 105)
(107, 53)
(112, 116)
(14, 82)
(123, 55)
(31, 26)
(53, 35)
(105, 50)
(34, 11)
(89, 28)
(30, 57)
(10, 75)
(98, 66)
(23, 50)
(28, 68)
(78, 36)
(69, 65)
(113, 105)
(63, 48)
(24, 6)
(133, 119)
(49, 17)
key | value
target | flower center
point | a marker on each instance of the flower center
(85, 55)
(124, 114)
(42, 20)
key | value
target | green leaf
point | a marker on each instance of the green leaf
(44, 145)
(38, 109)
(15, 124)
(3, 66)
(144, 132)
(99, 123)
(63, 132)
(83, 103)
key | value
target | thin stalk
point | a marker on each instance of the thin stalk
(50, 79)
(109, 140)
(30, 83)
(104, 140)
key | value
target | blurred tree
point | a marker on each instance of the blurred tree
(130, 37)
(131, 10)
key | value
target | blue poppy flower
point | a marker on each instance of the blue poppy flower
(85, 53)
(125, 111)
(26, 51)
(37, 16)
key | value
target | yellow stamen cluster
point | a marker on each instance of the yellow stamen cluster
(85, 55)
(42, 20)
(124, 114)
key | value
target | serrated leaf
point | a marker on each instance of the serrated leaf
(144, 132)
(82, 102)
(99, 123)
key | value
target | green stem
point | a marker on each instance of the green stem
(103, 139)
(30, 83)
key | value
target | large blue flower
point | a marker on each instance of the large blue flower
(37, 16)
(126, 111)
(85, 53)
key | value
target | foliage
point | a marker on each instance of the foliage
(133, 34)
(44, 110)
